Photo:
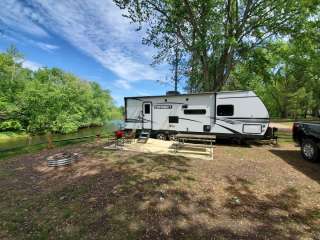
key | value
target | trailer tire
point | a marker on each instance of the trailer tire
(161, 136)
(172, 137)
(310, 150)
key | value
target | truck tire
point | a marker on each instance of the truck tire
(310, 150)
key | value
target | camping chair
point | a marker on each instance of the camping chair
(117, 139)
(120, 138)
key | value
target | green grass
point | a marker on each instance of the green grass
(8, 135)
(284, 137)
(38, 147)
(283, 120)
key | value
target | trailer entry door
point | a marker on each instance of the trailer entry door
(147, 115)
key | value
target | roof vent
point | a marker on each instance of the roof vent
(172, 93)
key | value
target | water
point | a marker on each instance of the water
(19, 142)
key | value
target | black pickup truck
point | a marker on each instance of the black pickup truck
(308, 137)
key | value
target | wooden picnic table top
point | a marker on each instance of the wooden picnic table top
(195, 136)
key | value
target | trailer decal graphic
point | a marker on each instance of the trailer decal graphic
(190, 120)
(231, 130)
(162, 106)
(139, 120)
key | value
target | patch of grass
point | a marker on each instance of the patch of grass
(19, 151)
(190, 178)
(7, 135)
(316, 214)
(38, 147)
(284, 137)
(67, 213)
(245, 181)
(290, 120)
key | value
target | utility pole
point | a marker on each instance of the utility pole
(176, 69)
(176, 66)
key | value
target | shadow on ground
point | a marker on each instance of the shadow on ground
(114, 195)
(246, 143)
(294, 158)
(279, 216)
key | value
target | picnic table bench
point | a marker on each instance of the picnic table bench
(182, 138)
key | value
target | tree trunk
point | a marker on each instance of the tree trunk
(223, 68)
(206, 77)
(205, 69)
(49, 140)
(284, 111)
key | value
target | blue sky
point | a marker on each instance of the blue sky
(89, 38)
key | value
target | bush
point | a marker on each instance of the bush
(10, 125)
(66, 123)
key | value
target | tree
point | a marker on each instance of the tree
(283, 73)
(16, 56)
(12, 80)
(215, 34)
(49, 100)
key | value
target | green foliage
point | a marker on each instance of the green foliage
(10, 125)
(284, 75)
(215, 35)
(49, 100)
(271, 47)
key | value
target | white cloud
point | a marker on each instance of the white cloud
(143, 93)
(123, 84)
(18, 38)
(34, 66)
(95, 27)
(17, 16)
(46, 46)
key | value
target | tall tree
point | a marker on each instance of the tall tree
(283, 74)
(214, 33)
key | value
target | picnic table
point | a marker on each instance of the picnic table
(182, 138)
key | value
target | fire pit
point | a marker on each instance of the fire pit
(61, 159)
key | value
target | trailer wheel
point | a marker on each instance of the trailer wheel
(161, 136)
(309, 150)
(172, 137)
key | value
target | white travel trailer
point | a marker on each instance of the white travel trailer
(234, 114)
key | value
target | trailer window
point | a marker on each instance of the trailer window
(225, 110)
(195, 111)
(147, 109)
(173, 119)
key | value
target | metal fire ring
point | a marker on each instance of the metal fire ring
(56, 161)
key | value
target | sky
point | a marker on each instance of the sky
(89, 38)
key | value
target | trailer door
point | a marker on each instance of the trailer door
(147, 115)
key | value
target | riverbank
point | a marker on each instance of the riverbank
(32, 149)
(14, 144)
(14, 140)
(4, 136)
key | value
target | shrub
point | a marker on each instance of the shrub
(10, 125)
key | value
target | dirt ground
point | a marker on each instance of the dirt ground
(251, 192)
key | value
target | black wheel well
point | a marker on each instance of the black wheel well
(312, 138)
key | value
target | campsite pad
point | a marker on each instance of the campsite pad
(156, 146)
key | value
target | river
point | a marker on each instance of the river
(19, 142)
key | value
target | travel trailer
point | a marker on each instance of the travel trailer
(234, 114)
